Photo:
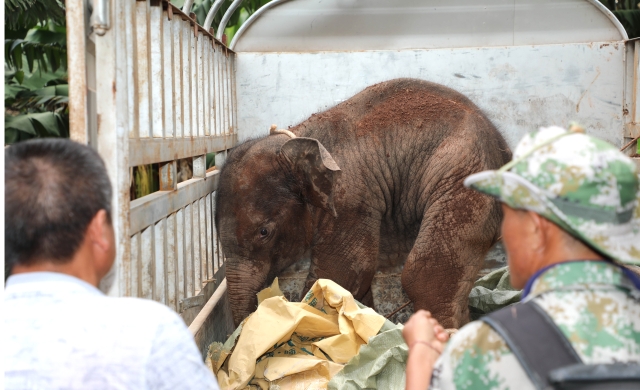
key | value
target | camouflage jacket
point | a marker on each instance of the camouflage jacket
(595, 305)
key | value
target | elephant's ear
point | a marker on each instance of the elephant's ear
(318, 168)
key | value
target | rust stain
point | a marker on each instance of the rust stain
(586, 90)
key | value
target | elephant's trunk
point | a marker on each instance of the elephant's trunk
(243, 282)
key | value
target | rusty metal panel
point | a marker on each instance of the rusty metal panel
(152, 150)
(155, 100)
(152, 208)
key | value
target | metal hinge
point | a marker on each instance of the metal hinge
(100, 20)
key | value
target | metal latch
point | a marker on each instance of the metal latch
(100, 21)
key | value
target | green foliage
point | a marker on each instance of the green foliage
(25, 14)
(44, 45)
(36, 94)
(34, 125)
(247, 8)
(628, 14)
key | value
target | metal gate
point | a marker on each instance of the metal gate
(151, 86)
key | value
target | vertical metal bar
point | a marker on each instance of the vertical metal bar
(112, 129)
(199, 166)
(159, 238)
(180, 255)
(234, 100)
(220, 89)
(214, 235)
(196, 247)
(168, 176)
(635, 115)
(142, 65)
(188, 253)
(227, 93)
(209, 235)
(167, 57)
(203, 240)
(77, 70)
(186, 75)
(177, 103)
(206, 52)
(200, 86)
(223, 73)
(127, 271)
(131, 73)
(193, 79)
(172, 285)
(146, 263)
(217, 83)
(230, 92)
(156, 66)
(133, 268)
(211, 109)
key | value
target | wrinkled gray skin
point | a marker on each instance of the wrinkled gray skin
(373, 182)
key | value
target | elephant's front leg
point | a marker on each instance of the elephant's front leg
(345, 250)
(455, 235)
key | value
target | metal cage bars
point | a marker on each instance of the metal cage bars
(182, 101)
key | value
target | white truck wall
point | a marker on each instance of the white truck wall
(519, 88)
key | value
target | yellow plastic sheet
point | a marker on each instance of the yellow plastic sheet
(296, 345)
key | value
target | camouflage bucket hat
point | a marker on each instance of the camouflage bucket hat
(581, 183)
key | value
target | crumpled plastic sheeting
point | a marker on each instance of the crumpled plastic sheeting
(381, 364)
(295, 345)
(492, 292)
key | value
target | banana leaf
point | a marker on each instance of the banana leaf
(32, 125)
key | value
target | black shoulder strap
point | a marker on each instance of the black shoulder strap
(534, 339)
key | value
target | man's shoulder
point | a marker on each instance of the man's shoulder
(143, 310)
(603, 325)
(477, 357)
(476, 339)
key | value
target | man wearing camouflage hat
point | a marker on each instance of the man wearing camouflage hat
(571, 224)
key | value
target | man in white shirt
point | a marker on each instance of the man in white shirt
(60, 331)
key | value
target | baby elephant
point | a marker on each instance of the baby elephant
(374, 181)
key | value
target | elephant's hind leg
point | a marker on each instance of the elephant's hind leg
(456, 232)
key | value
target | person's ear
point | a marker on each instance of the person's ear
(99, 231)
(538, 232)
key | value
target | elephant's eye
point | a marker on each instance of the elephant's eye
(264, 232)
